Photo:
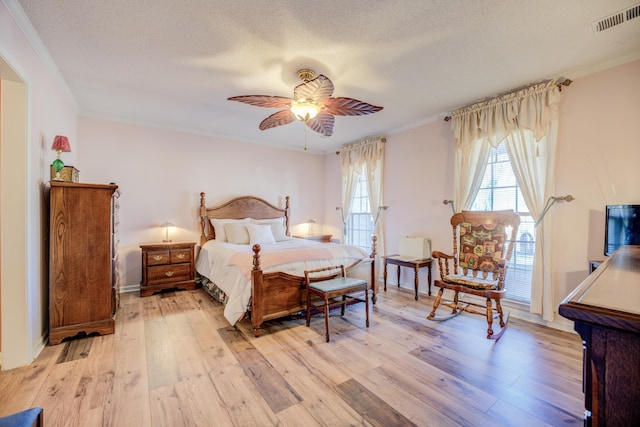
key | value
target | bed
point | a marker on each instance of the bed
(259, 273)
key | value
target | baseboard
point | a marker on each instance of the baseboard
(129, 288)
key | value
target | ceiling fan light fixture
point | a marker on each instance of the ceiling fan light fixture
(304, 110)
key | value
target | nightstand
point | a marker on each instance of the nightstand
(167, 266)
(318, 237)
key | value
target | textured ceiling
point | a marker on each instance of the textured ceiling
(173, 63)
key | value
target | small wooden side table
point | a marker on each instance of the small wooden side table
(403, 262)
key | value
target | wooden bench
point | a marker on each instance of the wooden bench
(330, 286)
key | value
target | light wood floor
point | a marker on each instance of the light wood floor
(175, 361)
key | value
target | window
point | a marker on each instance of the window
(499, 190)
(359, 226)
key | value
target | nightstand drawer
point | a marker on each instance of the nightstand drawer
(158, 257)
(180, 255)
(168, 273)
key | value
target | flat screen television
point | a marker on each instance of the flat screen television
(622, 227)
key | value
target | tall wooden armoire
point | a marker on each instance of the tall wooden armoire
(82, 260)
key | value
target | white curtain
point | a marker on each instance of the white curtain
(365, 157)
(526, 120)
(469, 168)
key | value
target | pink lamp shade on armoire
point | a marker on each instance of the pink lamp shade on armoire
(60, 144)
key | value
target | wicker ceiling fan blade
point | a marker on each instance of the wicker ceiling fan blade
(311, 97)
(349, 107)
(282, 117)
(322, 123)
(263, 100)
(316, 90)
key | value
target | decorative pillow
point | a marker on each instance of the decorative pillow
(218, 226)
(237, 233)
(260, 233)
(277, 227)
(480, 246)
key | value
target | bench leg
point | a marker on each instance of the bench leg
(326, 317)
(366, 304)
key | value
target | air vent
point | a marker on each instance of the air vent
(616, 19)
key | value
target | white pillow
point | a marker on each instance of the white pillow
(237, 233)
(260, 233)
(264, 221)
(277, 227)
(218, 226)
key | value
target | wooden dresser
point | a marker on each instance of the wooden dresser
(167, 266)
(606, 311)
(82, 294)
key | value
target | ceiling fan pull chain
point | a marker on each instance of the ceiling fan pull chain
(305, 138)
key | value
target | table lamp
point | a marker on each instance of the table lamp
(60, 144)
(166, 226)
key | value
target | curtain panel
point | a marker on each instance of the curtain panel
(366, 157)
(526, 121)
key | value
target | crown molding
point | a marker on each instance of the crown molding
(40, 49)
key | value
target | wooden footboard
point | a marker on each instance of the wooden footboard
(279, 294)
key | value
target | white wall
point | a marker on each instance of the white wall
(162, 172)
(49, 112)
(598, 163)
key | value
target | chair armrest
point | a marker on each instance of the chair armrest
(443, 262)
(438, 254)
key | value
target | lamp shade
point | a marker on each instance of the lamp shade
(167, 225)
(310, 223)
(61, 143)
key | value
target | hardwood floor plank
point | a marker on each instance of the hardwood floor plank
(510, 415)
(299, 415)
(58, 394)
(200, 403)
(97, 379)
(373, 409)
(273, 388)
(129, 403)
(20, 386)
(243, 401)
(299, 347)
(162, 366)
(318, 400)
(546, 410)
(74, 349)
(166, 409)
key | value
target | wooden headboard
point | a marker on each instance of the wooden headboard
(239, 208)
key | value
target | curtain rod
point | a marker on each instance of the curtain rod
(358, 144)
(565, 82)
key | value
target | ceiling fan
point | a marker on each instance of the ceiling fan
(311, 103)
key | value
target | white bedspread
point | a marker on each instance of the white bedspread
(214, 259)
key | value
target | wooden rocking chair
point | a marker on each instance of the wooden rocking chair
(481, 252)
